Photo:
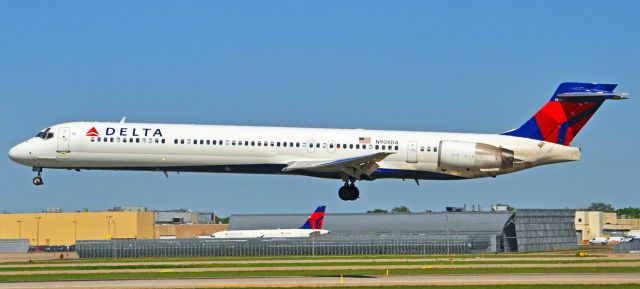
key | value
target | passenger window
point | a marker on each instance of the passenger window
(137, 140)
(233, 142)
(118, 140)
(337, 146)
(291, 144)
(124, 139)
(144, 140)
(428, 149)
(278, 143)
(350, 146)
(213, 142)
(226, 142)
(324, 145)
(358, 146)
(396, 147)
(384, 147)
(246, 142)
(208, 142)
(162, 140)
(93, 139)
(111, 140)
(435, 149)
(304, 144)
(377, 147)
(272, 143)
(421, 149)
(317, 145)
(330, 145)
(188, 141)
(181, 141)
(259, 143)
(297, 144)
(239, 142)
(201, 142)
(370, 146)
(253, 143)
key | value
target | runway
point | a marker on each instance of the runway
(477, 279)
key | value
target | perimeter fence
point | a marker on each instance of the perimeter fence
(14, 245)
(316, 245)
(627, 247)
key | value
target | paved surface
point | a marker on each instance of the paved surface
(36, 256)
(489, 279)
(324, 268)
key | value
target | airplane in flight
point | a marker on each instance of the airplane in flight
(313, 226)
(349, 155)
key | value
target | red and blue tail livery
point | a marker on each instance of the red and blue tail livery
(570, 108)
(315, 220)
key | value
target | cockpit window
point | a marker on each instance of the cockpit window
(45, 134)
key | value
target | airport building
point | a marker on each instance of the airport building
(49, 229)
(357, 234)
(593, 224)
(124, 223)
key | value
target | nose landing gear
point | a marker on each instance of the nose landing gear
(38, 179)
(349, 192)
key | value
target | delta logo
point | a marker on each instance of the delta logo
(124, 131)
(93, 132)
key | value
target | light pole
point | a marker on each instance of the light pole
(37, 230)
(109, 226)
(448, 237)
(19, 228)
(75, 231)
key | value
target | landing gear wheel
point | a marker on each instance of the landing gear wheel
(349, 192)
(38, 179)
(344, 193)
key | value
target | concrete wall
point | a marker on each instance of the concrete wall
(48, 229)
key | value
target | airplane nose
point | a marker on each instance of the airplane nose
(19, 153)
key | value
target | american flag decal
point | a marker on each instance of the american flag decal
(364, 140)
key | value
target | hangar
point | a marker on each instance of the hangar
(357, 234)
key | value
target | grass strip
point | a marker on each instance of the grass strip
(316, 273)
(327, 264)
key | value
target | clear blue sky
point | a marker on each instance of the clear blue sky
(467, 66)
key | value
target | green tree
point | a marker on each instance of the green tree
(629, 212)
(401, 209)
(377, 211)
(600, 206)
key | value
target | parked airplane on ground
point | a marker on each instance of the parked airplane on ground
(347, 154)
(313, 226)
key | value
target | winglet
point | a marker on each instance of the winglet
(124, 118)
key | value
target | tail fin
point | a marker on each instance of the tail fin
(571, 106)
(315, 220)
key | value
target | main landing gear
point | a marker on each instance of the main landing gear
(349, 192)
(38, 179)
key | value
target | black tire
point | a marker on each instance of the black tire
(37, 181)
(344, 193)
(355, 193)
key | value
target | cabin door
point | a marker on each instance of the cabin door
(63, 139)
(412, 152)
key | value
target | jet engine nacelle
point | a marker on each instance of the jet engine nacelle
(470, 156)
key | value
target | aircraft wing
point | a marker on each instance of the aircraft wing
(354, 167)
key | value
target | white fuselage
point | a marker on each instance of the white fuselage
(274, 233)
(247, 149)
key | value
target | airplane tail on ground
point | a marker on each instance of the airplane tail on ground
(570, 108)
(315, 220)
